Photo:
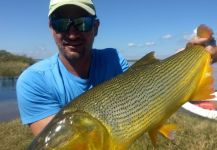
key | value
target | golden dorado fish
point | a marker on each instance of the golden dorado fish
(112, 115)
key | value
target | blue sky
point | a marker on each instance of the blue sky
(133, 27)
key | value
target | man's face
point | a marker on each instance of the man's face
(73, 44)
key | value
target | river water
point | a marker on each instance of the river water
(8, 100)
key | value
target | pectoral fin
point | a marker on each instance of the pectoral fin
(167, 130)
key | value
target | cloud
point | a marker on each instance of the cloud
(131, 45)
(189, 36)
(195, 31)
(39, 52)
(150, 43)
(167, 36)
(134, 45)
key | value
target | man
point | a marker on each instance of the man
(44, 88)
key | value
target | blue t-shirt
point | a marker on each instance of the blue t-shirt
(45, 87)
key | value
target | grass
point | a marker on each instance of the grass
(12, 65)
(12, 68)
(195, 133)
(14, 136)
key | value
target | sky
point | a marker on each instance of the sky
(134, 27)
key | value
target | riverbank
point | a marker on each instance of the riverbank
(12, 65)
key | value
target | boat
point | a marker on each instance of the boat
(206, 108)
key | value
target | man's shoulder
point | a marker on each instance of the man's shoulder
(40, 67)
(45, 64)
(106, 51)
(108, 54)
(110, 57)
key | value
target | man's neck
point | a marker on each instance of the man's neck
(78, 68)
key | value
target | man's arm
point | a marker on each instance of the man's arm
(37, 105)
(38, 126)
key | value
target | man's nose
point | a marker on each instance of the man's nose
(72, 32)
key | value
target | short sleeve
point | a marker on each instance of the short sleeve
(35, 99)
(123, 62)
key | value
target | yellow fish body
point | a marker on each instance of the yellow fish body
(114, 114)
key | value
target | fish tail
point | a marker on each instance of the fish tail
(205, 87)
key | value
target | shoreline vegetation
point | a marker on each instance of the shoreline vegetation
(193, 133)
(12, 65)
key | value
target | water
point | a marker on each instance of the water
(7, 88)
(8, 100)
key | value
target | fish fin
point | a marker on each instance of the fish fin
(147, 59)
(153, 136)
(168, 131)
(206, 84)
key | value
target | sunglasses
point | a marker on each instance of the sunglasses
(81, 24)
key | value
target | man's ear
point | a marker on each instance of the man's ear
(49, 24)
(50, 28)
(96, 27)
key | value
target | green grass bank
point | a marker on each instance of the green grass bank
(12, 65)
(195, 133)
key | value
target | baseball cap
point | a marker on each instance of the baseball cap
(84, 4)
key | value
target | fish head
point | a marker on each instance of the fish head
(72, 131)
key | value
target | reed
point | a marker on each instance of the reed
(12, 65)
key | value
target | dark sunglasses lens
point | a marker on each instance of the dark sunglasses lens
(83, 24)
(60, 25)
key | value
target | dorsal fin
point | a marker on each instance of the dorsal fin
(147, 59)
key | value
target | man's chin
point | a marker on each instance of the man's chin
(73, 56)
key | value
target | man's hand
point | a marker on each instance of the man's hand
(205, 37)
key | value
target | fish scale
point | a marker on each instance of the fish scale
(137, 101)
